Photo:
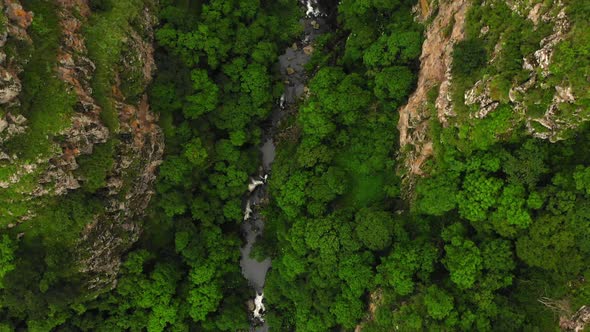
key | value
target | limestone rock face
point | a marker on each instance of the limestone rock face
(480, 95)
(17, 21)
(137, 141)
(110, 234)
(435, 73)
(548, 110)
(577, 322)
(9, 86)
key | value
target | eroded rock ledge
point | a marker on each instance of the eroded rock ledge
(435, 73)
(138, 141)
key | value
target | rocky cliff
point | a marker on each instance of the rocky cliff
(106, 144)
(435, 73)
(527, 75)
(495, 73)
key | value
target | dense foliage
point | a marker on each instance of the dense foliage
(501, 221)
(334, 185)
(214, 86)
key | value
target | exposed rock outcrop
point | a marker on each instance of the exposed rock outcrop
(577, 322)
(86, 128)
(560, 115)
(435, 73)
(480, 95)
(129, 185)
(129, 192)
(136, 139)
(10, 86)
(17, 21)
(12, 125)
(538, 64)
(552, 124)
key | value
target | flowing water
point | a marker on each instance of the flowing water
(293, 72)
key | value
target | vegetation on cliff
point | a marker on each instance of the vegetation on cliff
(489, 231)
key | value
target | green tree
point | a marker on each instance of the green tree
(527, 165)
(582, 179)
(401, 46)
(437, 194)
(194, 152)
(7, 264)
(394, 84)
(478, 195)
(348, 311)
(551, 245)
(439, 303)
(511, 214)
(292, 196)
(469, 55)
(374, 228)
(101, 5)
(255, 82)
(95, 168)
(175, 169)
(462, 257)
(355, 270)
(404, 263)
(205, 97)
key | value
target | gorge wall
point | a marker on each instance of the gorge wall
(531, 86)
(87, 129)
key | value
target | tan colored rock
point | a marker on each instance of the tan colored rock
(106, 239)
(3, 39)
(11, 126)
(542, 57)
(479, 95)
(540, 61)
(435, 69)
(10, 86)
(484, 30)
(577, 322)
(19, 20)
(18, 119)
(16, 13)
(564, 94)
(3, 125)
(14, 129)
(535, 13)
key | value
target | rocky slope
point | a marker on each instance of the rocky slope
(435, 73)
(542, 94)
(529, 78)
(135, 143)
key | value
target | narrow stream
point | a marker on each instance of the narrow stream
(292, 69)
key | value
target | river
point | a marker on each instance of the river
(291, 64)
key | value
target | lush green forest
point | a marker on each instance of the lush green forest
(493, 236)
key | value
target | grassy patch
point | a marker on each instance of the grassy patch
(46, 101)
(16, 194)
(96, 166)
(105, 35)
(496, 56)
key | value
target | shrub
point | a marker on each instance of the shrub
(469, 56)
(101, 5)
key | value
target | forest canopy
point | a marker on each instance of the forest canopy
(492, 233)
